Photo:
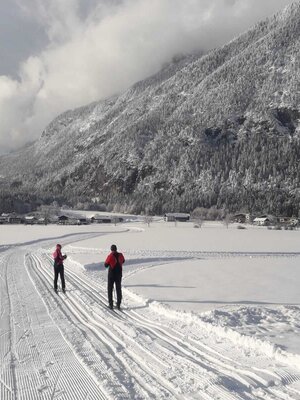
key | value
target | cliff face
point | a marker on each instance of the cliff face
(215, 130)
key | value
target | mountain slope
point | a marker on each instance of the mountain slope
(215, 130)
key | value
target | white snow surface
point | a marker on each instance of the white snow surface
(209, 313)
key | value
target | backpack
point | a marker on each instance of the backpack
(118, 266)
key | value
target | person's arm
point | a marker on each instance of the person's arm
(107, 261)
(55, 256)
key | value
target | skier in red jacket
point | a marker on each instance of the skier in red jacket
(59, 268)
(114, 262)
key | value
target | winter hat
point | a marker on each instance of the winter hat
(113, 247)
(58, 245)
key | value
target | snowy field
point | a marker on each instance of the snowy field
(210, 313)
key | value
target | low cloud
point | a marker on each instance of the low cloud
(96, 49)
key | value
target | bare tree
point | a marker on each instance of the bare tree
(115, 220)
(198, 222)
(198, 216)
(227, 220)
(148, 219)
(47, 212)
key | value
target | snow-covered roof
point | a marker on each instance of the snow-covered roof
(97, 216)
(177, 215)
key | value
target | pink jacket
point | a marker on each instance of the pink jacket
(58, 257)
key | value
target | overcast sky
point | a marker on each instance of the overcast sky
(60, 54)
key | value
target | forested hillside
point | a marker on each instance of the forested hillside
(216, 130)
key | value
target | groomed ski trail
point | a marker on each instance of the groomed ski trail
(71, 346)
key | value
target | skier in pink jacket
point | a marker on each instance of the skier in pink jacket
(59, 268)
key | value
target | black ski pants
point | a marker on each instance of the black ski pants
(59, 270)
(114, 277)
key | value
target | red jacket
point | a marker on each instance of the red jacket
(111, 260)
(58, 257)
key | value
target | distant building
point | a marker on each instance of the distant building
(30, 220)
(62, 219)
(100, 219)
(240, 218)
(15, 220)
(284, 220)
(261, 221)
(181, 217)
(104, 219)
(82, 221)
(288, 221)
(116, 219)
(42, 221)
(4, 218)
(294, 221)
(11, 218)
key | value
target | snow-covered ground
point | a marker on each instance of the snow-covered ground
(210, 313)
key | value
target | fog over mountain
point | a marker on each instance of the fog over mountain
(220, 129)
(60, 54)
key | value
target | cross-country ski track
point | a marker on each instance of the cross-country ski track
(71, 346)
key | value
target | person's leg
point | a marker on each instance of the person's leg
(55, 278)
(119, 290)
(110, 286)
(62, 278)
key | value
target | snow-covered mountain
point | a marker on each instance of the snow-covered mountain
(220, 129)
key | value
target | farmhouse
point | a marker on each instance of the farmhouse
(240, 218)
(104, 219)
(63, 219)
(10, 219)
(30, 220)
(294, 221)
(261, 221)
(284, 220)
(4, 218)
(100, 219)
(15, 220)
(181, 217)
(82, 221)
(42, 221)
